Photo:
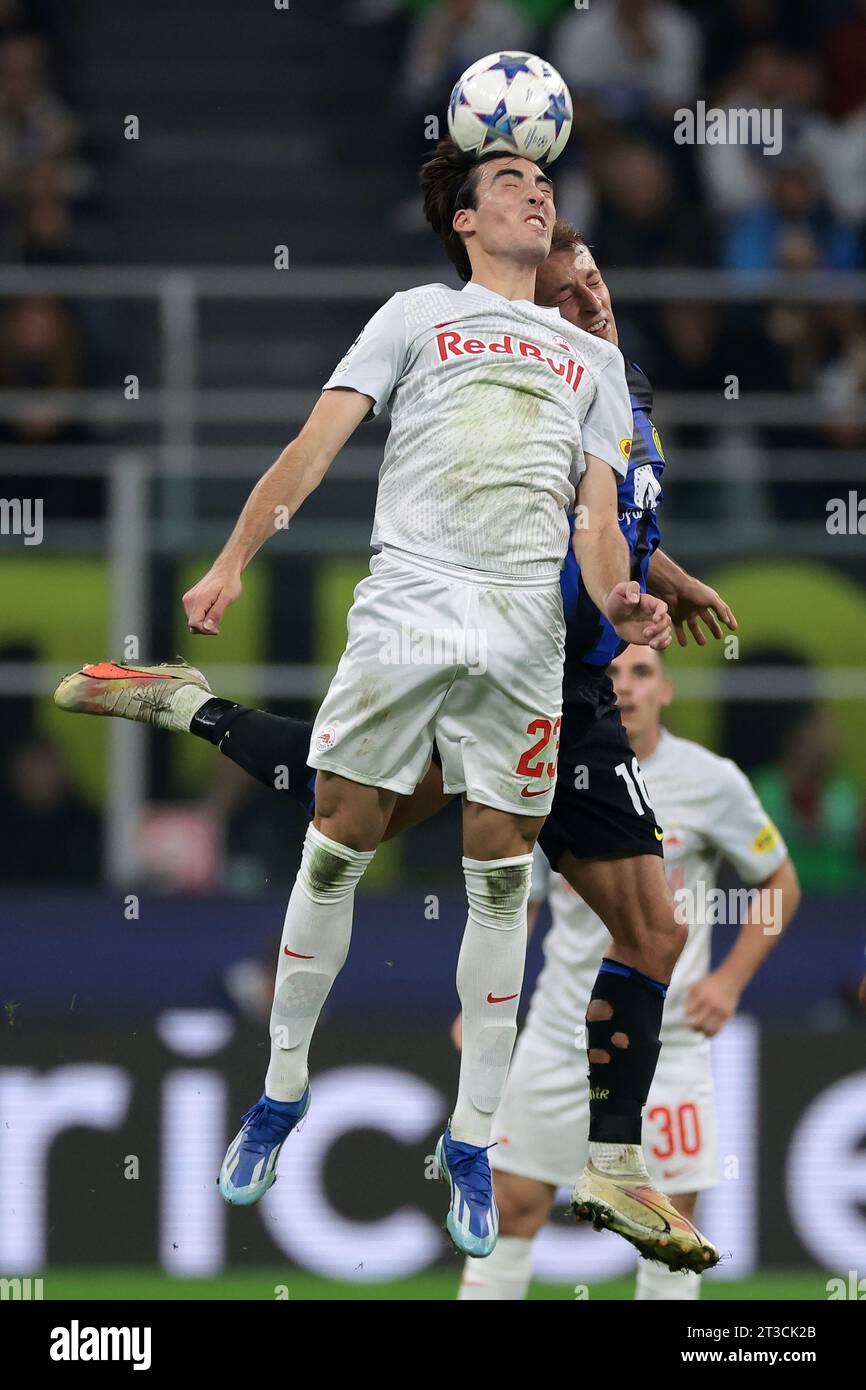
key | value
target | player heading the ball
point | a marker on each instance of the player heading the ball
(486, 448)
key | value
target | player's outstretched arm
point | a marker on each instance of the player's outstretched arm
(689, 601)
(273, 501)
(603, 556)
(715, 999)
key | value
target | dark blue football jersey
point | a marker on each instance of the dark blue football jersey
(590, 639)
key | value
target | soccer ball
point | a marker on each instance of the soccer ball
(514, 103)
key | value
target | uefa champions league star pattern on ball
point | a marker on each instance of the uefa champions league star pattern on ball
(515, 103)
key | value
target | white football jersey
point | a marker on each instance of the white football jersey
(493, 403)
(709, 812)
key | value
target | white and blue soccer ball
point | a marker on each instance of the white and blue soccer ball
(513, 103)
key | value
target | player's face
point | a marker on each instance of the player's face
(642, 689)
(514, 215)
(571, 282)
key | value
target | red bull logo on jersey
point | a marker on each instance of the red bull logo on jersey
(454, 344)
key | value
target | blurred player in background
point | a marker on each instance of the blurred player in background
(605, 820)
(498, 409)
(710, 813)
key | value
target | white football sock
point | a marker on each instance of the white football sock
(489, 976)
(186, 703)
(317, 931)
(620, 1160)
(503, 1276)
(656, 1282)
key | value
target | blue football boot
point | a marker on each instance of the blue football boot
(473, 1221)
(249, 1167)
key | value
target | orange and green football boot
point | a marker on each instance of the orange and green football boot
(165, 696)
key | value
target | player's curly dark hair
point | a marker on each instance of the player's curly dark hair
(448, 182)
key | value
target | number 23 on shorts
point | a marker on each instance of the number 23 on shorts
(533, 761)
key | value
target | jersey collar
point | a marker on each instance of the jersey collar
(471, 288)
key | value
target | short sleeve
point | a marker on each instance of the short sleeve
(607, 427)
(542, 875)
(742, 830)
(376, 360)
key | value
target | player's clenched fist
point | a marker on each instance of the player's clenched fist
(638, 617)
(206, 602)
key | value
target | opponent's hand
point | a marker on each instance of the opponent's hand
(710, 1003)
(208, 600)
(639, 618)
(698, 603)
(457, 1032)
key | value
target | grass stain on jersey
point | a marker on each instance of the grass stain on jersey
(497, 418)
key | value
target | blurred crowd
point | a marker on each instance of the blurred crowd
(630, 65)
(643, 200)
(49, 215)
(46, 179)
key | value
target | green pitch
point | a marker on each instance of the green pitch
(75, 1284)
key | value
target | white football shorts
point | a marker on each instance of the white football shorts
(471, 659)
(542, 1125)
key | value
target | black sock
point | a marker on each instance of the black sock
(270, 747)
(623, 1023)
(212, 719)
